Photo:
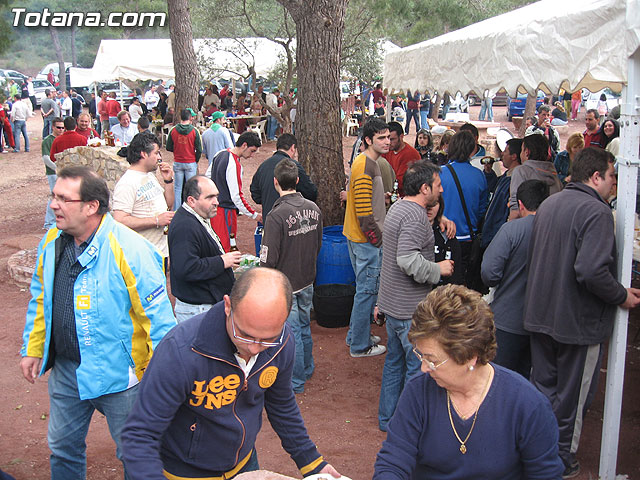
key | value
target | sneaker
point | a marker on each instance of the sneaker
(374, 339)
(372, 351)
(572, 470)
(4, 151)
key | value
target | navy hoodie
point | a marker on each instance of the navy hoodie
(198, 416)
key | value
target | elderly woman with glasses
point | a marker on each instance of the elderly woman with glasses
(466, 418)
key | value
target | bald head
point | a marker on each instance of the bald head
(257, 310)
(256, 282)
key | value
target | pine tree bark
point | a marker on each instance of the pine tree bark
(529, 111)
(62, 76)
(184, 56)
(319, 30)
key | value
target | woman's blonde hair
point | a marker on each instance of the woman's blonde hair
(460, 320)
(575, 141)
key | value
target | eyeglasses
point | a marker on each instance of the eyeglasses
(58, 128)
(60, 199)
(429, 363)
(252, 340)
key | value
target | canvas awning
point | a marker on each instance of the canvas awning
(548, 44)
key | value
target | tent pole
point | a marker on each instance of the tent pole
(625, 223)
(121, 99)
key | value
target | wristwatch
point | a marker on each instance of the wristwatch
(167, 181)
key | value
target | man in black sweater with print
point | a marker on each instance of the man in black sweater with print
(201, 272)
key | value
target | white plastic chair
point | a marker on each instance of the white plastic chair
(350, 124)
(260, 129)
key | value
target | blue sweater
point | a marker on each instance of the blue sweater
(476, 195)
(198, 416)
(515, 435)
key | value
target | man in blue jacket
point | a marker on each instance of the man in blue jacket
(98, 308)
(200, 405)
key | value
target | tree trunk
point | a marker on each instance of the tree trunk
(74, 53)
(529, 111)
(184, 56)
(435, 107)
(62, 76)
(319, 30)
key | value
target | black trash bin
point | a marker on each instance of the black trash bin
(332, 303)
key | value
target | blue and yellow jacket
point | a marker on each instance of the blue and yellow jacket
(121, 307)
(198, 416)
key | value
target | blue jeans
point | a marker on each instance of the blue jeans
(184, 311)
(300, 322)
(424, 119)
(46, 128)
(182, 173)
(416, 118)
(49, 216)
(365, 259)
(20, 126)
(400, 365)
(486, 108)
(272, 127)
(113, 121)
(69, 419)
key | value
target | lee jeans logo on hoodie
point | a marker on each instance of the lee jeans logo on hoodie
(218, 392)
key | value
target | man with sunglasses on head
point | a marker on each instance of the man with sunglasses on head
(200, 405)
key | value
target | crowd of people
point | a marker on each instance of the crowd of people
(428, 229)
(528, 234)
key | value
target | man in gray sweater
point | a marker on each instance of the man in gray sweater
(408, 273)
(504, 266)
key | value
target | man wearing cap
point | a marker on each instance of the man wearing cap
(216, 138)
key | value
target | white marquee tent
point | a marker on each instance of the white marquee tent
(152, 59)
(552, 44)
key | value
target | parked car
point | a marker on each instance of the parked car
(127, 93)
(56, 71)
(515, 106)
(40, 86)
(613, 99)
(14, 75)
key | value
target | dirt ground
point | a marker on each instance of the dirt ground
(340, 400)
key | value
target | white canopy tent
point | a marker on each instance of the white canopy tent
(152, 59)
(549, 45)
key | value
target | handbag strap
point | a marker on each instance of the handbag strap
(464, 204)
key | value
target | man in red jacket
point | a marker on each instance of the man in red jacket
(400, 154)
(69, 139)
(84, 126)
(113, 108)
(185, 143)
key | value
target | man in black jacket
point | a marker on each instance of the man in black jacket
(572, 293)
(201, 273)
(262, 190)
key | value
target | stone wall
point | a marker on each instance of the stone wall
(103, 160)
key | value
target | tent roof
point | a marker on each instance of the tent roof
(152, 59)
(576, 43)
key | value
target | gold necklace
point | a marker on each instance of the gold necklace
(463, 447)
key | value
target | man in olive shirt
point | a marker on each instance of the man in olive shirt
(50, 167)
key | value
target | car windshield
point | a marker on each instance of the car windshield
(41, 83)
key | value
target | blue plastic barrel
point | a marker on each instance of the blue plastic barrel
(333, 264)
